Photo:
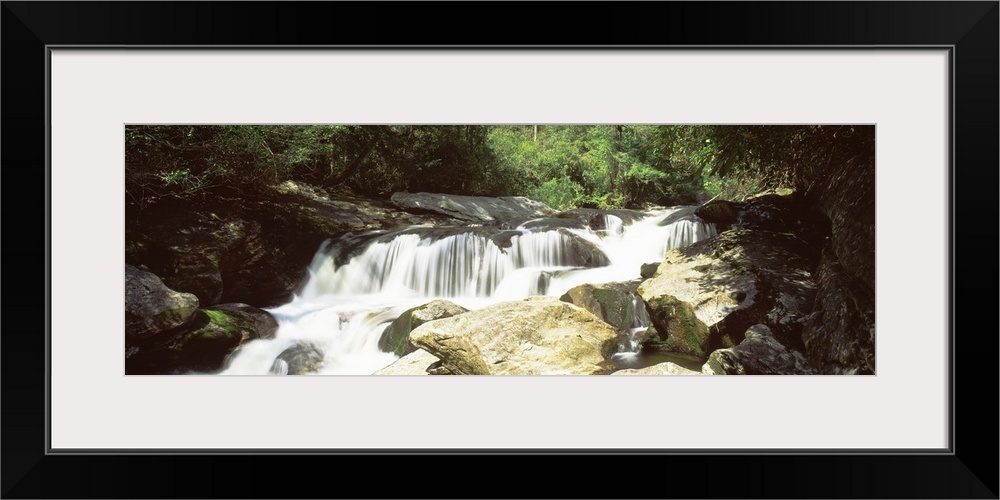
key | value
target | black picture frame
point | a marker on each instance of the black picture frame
(970, 29)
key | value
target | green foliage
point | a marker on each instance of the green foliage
(786, 155)
(600, 166)
(181, 176)
(560, 194)
(736, 188)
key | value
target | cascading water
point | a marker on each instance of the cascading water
(343, 309)
(629, 345)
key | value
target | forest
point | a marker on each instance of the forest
(564, 166)
(605, 249)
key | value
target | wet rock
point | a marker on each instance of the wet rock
(299, 359)
(595, 218)
(583, 253)
(684, 213)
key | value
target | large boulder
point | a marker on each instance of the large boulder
(396, 337)
(616, 303)
(227, 245)
(418, 362)
(720, 212)
(758, 354)
(535, 336)
(582, 253)
(201, 345)
(472, 208)
(846, 196)
(839, 335)
(785, 212)
(252, 322)
(704, 296)
(151, 307)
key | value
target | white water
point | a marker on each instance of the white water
(343, 310)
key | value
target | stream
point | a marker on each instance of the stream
(358, 284)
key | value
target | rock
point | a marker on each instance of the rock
(396, 337)
(666, 368)
(201, 344)
(647, 271)
(594, 218)
(195, 272)
(758, 354)
(722, 213)
(226, 245)
(299, 359)
(151, 307)
(788, 213)
(204, 349)
(551, 223)
(603, 222)
(535, 336)
(839, 336)
(846, 196)
(472, 208)
(253, 323)
(616, 303)
(684, 213)
(583, 253)
(704, 296)
(415, 363)
(678, 328)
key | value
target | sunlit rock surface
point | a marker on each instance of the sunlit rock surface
(535, 336)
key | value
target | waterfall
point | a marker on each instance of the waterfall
(629, 344)
(613, 224)
(357, 285)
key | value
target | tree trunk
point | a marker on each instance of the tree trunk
(353, 167)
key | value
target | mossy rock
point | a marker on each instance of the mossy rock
(648, 270)
(396, 337)
(683, 331)
(203, 344)
(615, 303)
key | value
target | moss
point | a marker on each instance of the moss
(396, 337)
(615, 305)
(648, 270)
(685, 333)
(218, 317)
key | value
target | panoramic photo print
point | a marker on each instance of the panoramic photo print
(656, 250)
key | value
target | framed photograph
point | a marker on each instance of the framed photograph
(117, 104)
